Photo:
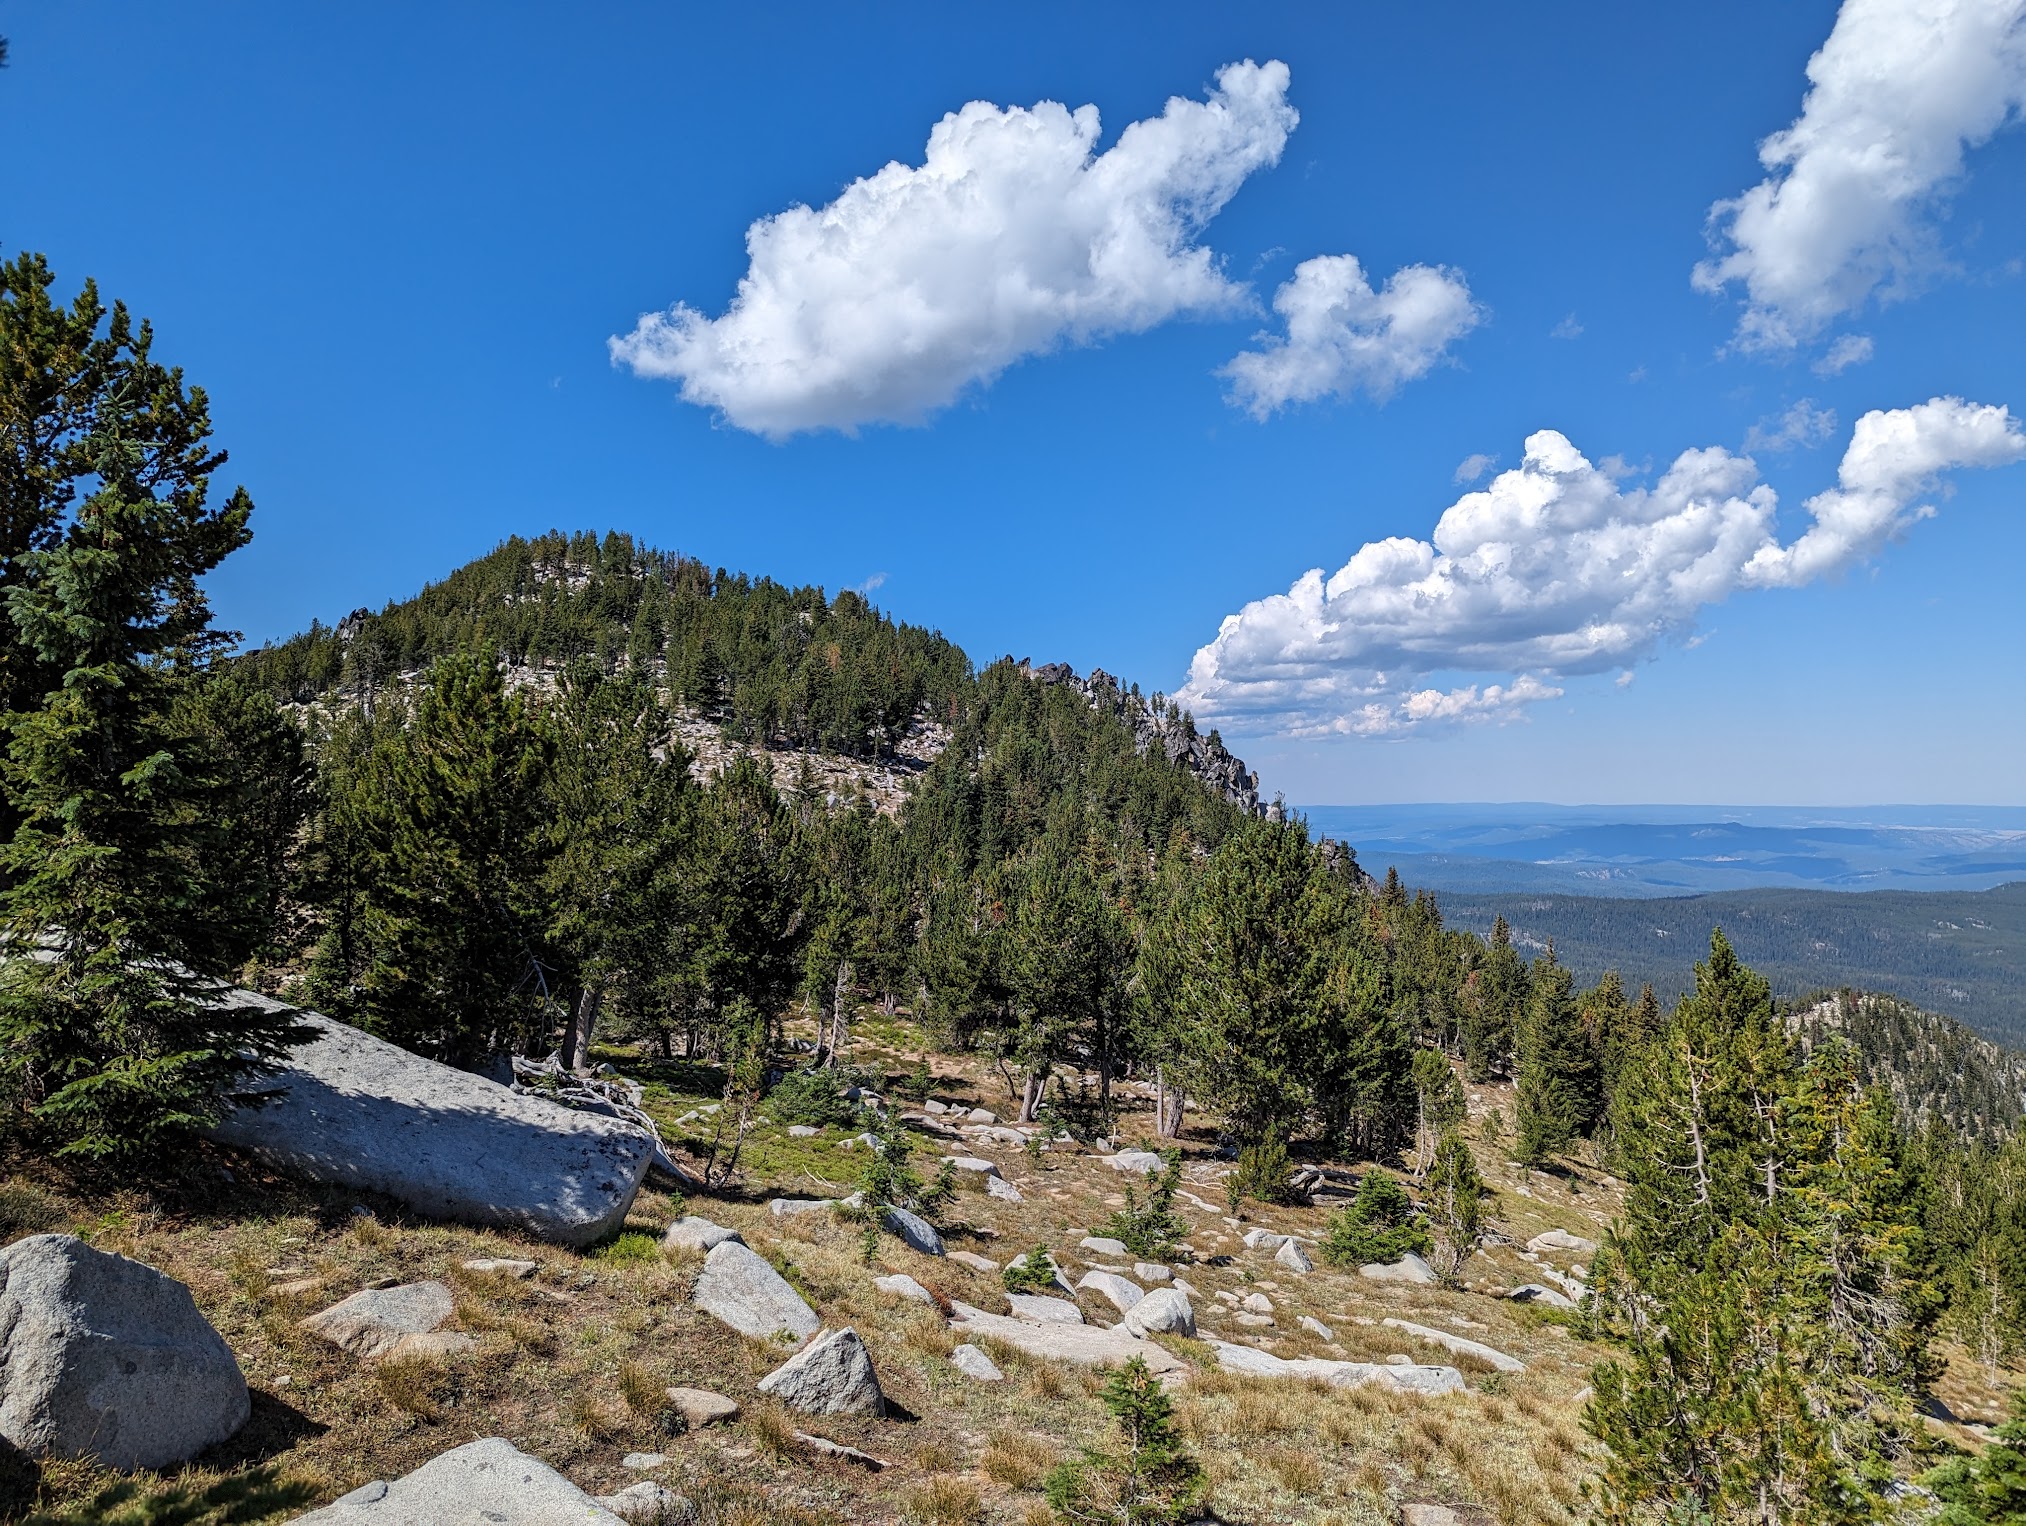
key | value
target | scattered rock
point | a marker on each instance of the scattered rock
(1052, 1311)
(1264, 1239)
(1259, 1303)
(1253, 1362)
(1409, 1268)
(832, 1375)
(859, 1141)
(972, 1163)
(916, 1232)
(103, 1357)
(738, 1287)
(1145, 1162)
(903, 1286)
(782, 1207)
(803, 1131)
(1294, 1258)
(391, 1322)
(1460, 1346)
(355, 1111)
(1317, 1328)
(1121, 1292)
(1085, 1345)
(488, 1481)
(1103, 1246)
(999, 1135)
(1535, 1292)
(494, 1266)
(981, 1115)
(700, 1407)
(1152, 1271)
(1562, 1240)
(933, 1106)
(298, 1287)
(692, 1233)
(648, 1504)
(1256, 1321)
(839, 1450)
(1165, 1311)
(973, 1260)
(643, 1462)
(1427, 1515)
(1003, 1190)
(973, 1363)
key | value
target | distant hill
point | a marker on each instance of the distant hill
(1959, 953)
(1935, 1067)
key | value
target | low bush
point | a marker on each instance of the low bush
(1379, 1224)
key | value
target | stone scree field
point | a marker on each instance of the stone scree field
(600, 1363)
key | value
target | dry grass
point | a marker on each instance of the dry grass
(772, 1431)
(415, 1385)
(1017, 1459)
(944, 1501)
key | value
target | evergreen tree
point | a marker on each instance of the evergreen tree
(1453, 1197)
(1556, 1085)
(1990, 1488)
(111, 1035)
(1498, 1000)
(1147, 1477)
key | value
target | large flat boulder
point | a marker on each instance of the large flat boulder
(352, 1110)
(383, 1323)
(1085, 1345)
(1252, 1362)
(108, 1358)
(1461, 1345)
(482, 1483)
(738, 1287)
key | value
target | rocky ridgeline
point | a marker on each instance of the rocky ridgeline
(1170, 732)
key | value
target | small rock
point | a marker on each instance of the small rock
(1085, 1345)
(648, 1504)
(300, 1287)
(1317, 1327)
(738, 1287)
(1535, 1292)
(103, 1357)
(1152, 1271)
(1144, 1162)
(490, 1481)
(1399, 1359)
(803, 1131)
(1004, 1191)
(1256, 1321)
(1409, 1268)
(1165, 1311)
(981, 1115)
(1293, 1257)
(391, 1322)
(973, 1363)
(973, 1260)
(1562, 1240)
(643, 1462)
(700, 1407)
(916, 1232)
(832, 1375)
(493, 1266)
(933, 1106)
(692, 1233)
(1120, 1291)
(1259, 1303)
(972, 1163)
(1427, 1515)
(1103, 1246)
(1263, 1239)
(783, 1207)
(839, 1450)
(903, 1286)
(1044, 1310)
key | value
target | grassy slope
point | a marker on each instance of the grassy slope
(559, 1355)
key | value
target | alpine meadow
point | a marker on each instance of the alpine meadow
(658, 1020)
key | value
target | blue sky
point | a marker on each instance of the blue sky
(394, 243)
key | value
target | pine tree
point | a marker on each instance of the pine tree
(1453, 1197)
(1147, 1477)
(1499, 998)
(1556, 1085)
(111, 1034)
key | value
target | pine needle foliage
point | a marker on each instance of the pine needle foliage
(1147, 1476)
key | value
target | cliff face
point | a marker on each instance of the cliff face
(1164, 728)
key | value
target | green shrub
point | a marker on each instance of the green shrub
(814, 1097)
(1031, 1273)
(1262, 1174)
(1150, 1227)
(630, 1247)
(1379, 1224)
(889, 1179)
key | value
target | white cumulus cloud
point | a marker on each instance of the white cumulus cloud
(1471, 467)
(1559, 569)
(1898, 94)
(1802, 424)
(1343, 336)
(1848, 350)
(1011, 237)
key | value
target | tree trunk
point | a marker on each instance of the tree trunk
(1168, 1124)
(577, 1046)
(839, 999)
(1031, 1093)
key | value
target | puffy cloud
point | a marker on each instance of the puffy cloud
(1558, 569)
(1342, 336)
(1849, 350)
(1898, 93)
(1802, 424)
(1011, 237)
(1470, 468)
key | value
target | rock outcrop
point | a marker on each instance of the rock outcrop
(1253, 1362)
(103, 1357)
(1085, 1345)
(351, 1110)
(482, 1483)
